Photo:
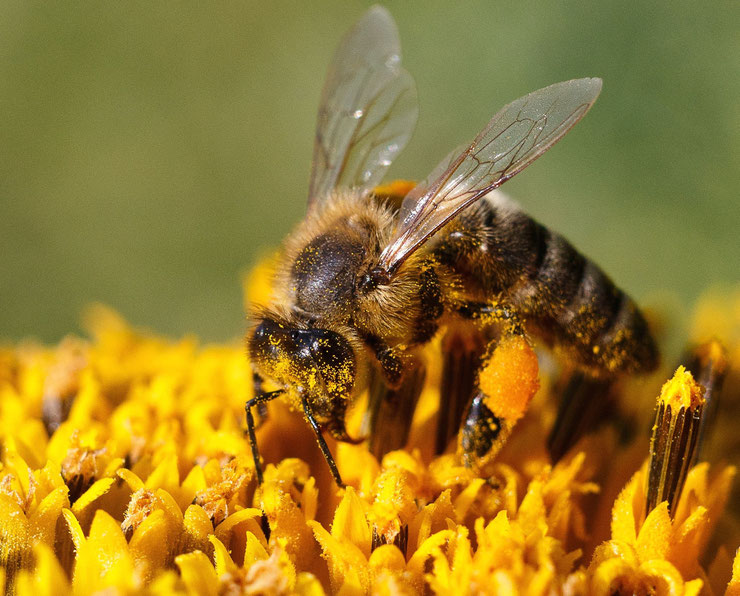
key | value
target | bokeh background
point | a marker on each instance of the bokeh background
(151, 152)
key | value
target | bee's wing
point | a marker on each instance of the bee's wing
(516, 136)
(368, 109)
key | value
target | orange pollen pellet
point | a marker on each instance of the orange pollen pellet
(510, 378)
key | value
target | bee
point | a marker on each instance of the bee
(366, 280)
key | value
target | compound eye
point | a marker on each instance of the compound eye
(334, 359)
(268, 344)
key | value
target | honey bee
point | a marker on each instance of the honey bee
(367, 279)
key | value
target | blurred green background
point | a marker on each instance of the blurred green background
(150, 152)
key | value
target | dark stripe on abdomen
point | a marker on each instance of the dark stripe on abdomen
(593, 308)
(580, 308)
(604, 327)
(558, 276)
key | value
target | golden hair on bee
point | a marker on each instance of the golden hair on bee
(337, 244)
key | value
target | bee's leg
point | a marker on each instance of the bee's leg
(257, 389)
(494, 312)
(585, 403)
(390, 410)
(481, 435)
(390, 361)
(489, 420)
(256, 401)
(322, 443)
(462, 349)
(395, 387)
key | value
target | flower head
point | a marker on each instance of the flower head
(124, 467)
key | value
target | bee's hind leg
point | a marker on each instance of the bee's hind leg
(493, 410)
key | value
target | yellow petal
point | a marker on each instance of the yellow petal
(307, 584)
(168, 503)
(15, 546)
(224, 562)
(167, 583)
(225, 528)
(435, 541)
(195, 480)
(348, 568)
(733, 588)
(103, 560)
(197, 573)
(16, 465)
(663, 576)
(693, 587)
(624, 525)
(151, 543)
(75, 530)
(287, 522)
(254, 551)
(309, 499)
(687, 542)
(606, 578)
(113, 466)
(532, 513)
(43, 521)
(387, 557)
(97, 490)
(165, 475)
(134, 482)
(653, 541)
(350, 523)
(196, 527)
(467, 497)
(48, 577)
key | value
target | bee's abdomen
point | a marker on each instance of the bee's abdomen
(565, 296)
(584, 312)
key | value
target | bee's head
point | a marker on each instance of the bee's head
(318, 363)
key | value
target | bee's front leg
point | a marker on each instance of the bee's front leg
(257, 401)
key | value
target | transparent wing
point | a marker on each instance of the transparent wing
(513, 139)
(368, 109)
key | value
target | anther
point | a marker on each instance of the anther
(674, 438)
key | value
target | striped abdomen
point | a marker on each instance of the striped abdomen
(502, 253)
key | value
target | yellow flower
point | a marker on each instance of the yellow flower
(124, 469)
(657, 552)
(31, 503)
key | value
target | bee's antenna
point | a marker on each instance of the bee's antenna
(322, 443)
